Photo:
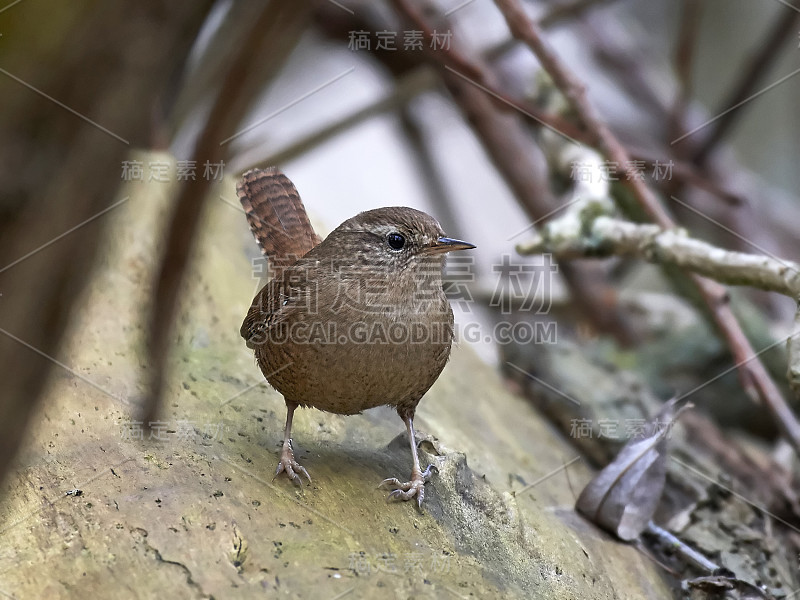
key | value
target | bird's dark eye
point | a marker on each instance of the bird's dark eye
(396, 241)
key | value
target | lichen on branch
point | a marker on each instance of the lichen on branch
(603, 236)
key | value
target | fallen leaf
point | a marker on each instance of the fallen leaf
(624, 495)
(727, 584)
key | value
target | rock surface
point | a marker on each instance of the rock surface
(189, 509)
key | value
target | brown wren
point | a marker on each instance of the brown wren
(356, 321)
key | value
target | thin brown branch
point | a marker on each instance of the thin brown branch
(430, 171)
(611, 48)
(513, 153)
(59, 170)
(634, 77)
(688, 173)
(684, 59)
(276, 30)
(407, 87)
(471, 69)
(569, 11)
(684, 54)
(767, 52)
(599, 133)
(753, 375)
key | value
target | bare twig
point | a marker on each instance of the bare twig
(277, 27)
(60, 171)
(633, 75)
(605, 236)
(793, 350)
(406, 88)
(753, 375)
(559, 14)
(513, 153)
(612, 49)
(569, 10)
(684, 59)
(758, 64)
(688, 174)
(692, 556)
(427, 165)
(599, 133)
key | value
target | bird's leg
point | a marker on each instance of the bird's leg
(415, 487)
(287, 462)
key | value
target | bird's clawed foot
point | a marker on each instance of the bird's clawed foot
(409, 489)
(291, 466)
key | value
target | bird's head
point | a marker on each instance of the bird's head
(398, 238)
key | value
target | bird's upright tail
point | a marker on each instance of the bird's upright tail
(276, 215)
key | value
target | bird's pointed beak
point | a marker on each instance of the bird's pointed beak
(446, 244)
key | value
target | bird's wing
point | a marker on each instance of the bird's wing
(276, 303)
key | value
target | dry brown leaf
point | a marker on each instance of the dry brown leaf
(726, 584)
(624, 495)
